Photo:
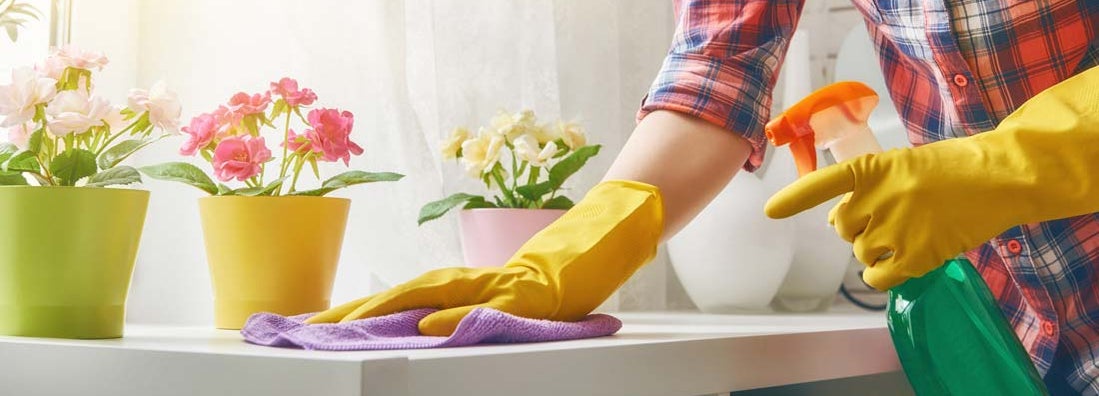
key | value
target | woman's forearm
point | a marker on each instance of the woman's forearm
(689, 159)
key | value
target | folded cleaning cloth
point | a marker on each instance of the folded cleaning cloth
(401, 331)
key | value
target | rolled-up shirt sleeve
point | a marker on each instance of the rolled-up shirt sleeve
(723, 64)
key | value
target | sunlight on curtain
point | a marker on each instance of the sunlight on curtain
(410, 71)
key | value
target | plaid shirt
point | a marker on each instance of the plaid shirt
(954, 68)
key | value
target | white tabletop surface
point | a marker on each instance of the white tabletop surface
(668, 353)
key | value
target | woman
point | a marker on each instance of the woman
(1014, 187)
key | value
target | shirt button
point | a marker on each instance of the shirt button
(960, 80)
(1014, 247)
(1047, 327)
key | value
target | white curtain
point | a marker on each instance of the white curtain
(410, 71)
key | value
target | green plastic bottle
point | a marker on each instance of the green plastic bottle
(948, 330)
(952, 338)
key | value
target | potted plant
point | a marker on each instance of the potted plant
(271, 246)
(528, 192)
(67, 244)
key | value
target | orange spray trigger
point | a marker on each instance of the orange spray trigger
(831, 118)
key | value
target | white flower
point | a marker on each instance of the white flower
(526, 148)
(115, 120)
(511, 126)
(453, 144)
(163, 106)
(76, 111)
(18, 99)
(71, 56)
(52, 67)
(571, 134)
(481, 153)
(20, 135)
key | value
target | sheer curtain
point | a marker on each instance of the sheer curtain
(410, 71)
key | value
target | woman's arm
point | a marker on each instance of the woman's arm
(688, 159)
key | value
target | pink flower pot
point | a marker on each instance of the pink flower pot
(491, 236)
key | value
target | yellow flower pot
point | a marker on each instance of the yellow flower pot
(271, 254)
(66, 259)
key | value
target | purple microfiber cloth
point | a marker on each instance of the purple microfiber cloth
(401, 331)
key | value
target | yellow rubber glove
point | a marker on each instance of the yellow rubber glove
(563, 272)
(929, 204)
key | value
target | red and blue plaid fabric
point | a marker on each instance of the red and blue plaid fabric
(954, 68)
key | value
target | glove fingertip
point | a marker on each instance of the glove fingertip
(440, 324)
(882, 279)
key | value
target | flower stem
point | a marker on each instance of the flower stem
(515, 180)
(297, 172)
(504, 187)
(111, 139)
(285, 146)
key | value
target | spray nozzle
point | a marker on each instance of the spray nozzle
(832, 118)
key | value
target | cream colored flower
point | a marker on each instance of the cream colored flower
(543, 133)
(571, 134)
(511, 125)
(453, 144)
(526, 149)
(481, 153)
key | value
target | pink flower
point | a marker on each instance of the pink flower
(331, 134)
(227, 121)
(71, 56)
(202, 130)
(296, 141)
(245, 105)
(287, 88)
(240, 157)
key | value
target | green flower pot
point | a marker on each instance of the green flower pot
(66, 258)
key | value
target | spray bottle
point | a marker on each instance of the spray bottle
(948, 331)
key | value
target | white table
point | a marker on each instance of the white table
(654, 354)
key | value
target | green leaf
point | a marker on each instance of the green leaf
(535, 191)
(181, 172)
(7, 150)
(568, 166)
(254, 191)
(561, 202)
(12, 179)
(301, 117)
(478, 203)
(119, 152)
(350, 178)
(121, 175)
(141, 125)
(436, 209)
(23, 161)
(278, 109)
(313, 164)
(224, 190)
(34, 143)
(72, 165)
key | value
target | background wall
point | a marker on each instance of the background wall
(410, 71)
